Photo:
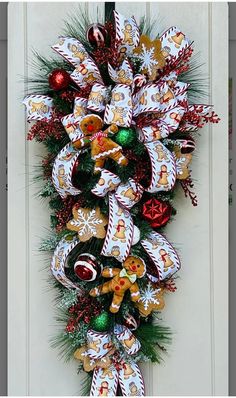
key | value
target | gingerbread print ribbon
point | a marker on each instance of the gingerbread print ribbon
(100, 355)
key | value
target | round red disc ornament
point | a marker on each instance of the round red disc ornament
(156, 212)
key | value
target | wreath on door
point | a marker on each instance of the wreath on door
(117, 115)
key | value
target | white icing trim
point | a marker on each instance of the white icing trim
(107, 153)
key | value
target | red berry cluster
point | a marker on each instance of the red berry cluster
(43, 129)
(86, 309)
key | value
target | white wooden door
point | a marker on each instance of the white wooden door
(197, 312)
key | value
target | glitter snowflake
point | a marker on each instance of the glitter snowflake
(147, 58)
(88, 223)
(150, 55)
(151, 299)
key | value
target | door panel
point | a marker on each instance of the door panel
(197, 312)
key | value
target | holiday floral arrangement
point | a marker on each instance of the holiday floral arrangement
(114, 112)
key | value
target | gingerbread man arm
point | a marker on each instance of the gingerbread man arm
(80, 143)
(110, 272)
(113, 128)
(134, 291)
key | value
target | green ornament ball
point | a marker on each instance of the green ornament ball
(102, 322)
(125, 137)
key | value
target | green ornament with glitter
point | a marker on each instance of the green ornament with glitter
(102, 322)
(125, 137)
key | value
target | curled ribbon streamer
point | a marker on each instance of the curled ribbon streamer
(127, 33)
(163, 255)
(86, 71)
(38, 107)
(120, 109)
(163, 167)
(97, 97)
(98, 355)
(62, 171)
(58, 263)
(119, 232)
(174, 42)
(127, 339)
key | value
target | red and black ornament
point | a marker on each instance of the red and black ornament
(187, 145)
(87, 267)
(59, 79)
(156, 212)
(96, 35)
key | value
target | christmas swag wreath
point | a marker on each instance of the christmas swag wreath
(119, 128)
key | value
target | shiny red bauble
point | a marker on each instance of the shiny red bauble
(156, 212)
(87, 267)
(96, 35)
(59, 79)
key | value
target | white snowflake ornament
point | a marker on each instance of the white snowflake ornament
(88, 223)
(151, 299)
(151, 57)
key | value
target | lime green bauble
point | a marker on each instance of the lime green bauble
(125, 137)
(102, 322)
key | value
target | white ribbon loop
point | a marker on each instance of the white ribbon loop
(163, 255)
(72, 50)
(38, 107)
(124, 75)
(62, 171)
(105, 382)
(127, 339)
(129, 193)
(127, 33)
(156, 131)
(98, 97)
(59, 260)
(86, 71)
(99, 344)
(131, 380)
(173, 43)
(163, 167)
(119, 111)
(108, 182)
(119, 233)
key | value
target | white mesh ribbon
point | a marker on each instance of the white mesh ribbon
(163, 256)
(38, 107)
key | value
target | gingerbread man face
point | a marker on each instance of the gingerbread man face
(164, 168)
(134, 265)
(91, 124)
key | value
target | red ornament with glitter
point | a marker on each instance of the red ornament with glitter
(87, 267)
(59, 79)
(156, 212)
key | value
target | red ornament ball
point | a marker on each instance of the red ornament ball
(59, 79)
(96, 35)
(87, 267)
(156, 212)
